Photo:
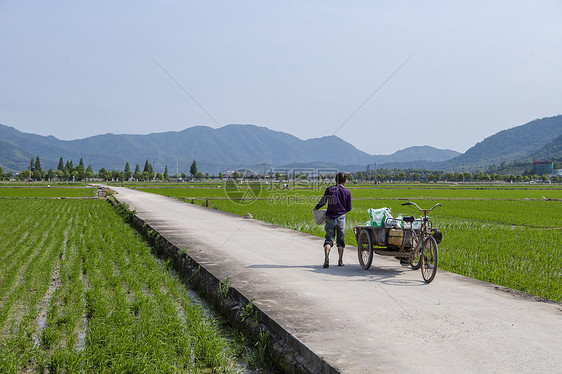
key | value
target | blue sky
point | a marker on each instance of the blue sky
(76, 69)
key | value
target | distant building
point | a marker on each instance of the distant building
(543, 167)
(242, 173)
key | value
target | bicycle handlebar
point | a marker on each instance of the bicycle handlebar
(423, 210)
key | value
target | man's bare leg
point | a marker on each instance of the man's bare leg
(327, 248)
(340, 252)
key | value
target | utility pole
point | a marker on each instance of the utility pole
(375, 173)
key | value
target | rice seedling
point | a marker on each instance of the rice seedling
(224, 287)
(81, 292)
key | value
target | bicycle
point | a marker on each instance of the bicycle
(424, 253)
(415, 242)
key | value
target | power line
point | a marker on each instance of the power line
(183, 89)
(373, 94)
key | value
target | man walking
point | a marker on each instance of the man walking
(339, 203)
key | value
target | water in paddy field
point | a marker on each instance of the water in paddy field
(242, 366)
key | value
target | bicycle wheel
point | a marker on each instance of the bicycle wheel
(429, 260)
(365, 249)
(415, 256)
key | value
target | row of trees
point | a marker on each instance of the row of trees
(147, 173)
(435, 176)
(64, 171)
(68, 172)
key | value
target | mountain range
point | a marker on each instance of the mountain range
(534, 140)
(239, 146)
(228, 147)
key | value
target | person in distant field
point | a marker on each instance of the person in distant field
(339, 203)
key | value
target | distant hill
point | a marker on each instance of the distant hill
(240, 146)
(228, 147)
(12, 157)
(550, 151)
(418, 154)
(517, 143)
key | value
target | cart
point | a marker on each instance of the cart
(412, 241)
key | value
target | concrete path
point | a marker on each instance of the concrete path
(384, 320)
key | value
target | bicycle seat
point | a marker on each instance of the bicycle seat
(409, 219)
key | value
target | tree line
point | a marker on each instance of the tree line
(422, 175)
(66, 171)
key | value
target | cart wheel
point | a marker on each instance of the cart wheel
(415, 257)
(365, 249)
(429, 260)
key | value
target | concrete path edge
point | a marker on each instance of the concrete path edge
(285, 350)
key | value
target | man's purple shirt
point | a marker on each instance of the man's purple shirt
(339, 201)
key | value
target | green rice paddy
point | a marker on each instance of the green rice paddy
(510, 235)
(45, 192)
(80, 292)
